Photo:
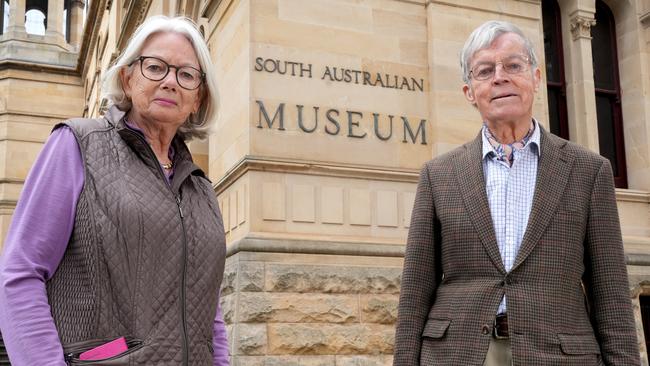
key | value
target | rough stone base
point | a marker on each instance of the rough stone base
(311, 309)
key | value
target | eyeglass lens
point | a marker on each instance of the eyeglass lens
(511, 65)
(156, 69)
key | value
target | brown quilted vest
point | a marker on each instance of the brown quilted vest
(145, 259)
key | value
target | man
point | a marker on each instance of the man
(514, 254)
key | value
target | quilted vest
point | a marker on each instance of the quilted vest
(145, 259)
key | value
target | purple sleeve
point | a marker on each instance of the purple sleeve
(220, 339)
(37, 238)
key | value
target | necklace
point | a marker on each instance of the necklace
(167, 166)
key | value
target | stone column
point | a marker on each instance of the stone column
(578, 16)
(75, 12)
(16, 24)
(316, 157)
(54, 29)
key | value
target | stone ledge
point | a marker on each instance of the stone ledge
(327, 339)
(314, 247)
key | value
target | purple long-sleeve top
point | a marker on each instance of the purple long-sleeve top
(35, 244)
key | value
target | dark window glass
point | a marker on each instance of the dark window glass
(608, 92)
(553, 110)
(555, 81)
(4, 12)
(601, 49)
(606, 129)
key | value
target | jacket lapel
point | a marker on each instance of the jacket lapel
(471, 182)
(553, 172)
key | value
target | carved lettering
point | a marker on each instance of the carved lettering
(352, 124)
(333, 122)
(375, 117)
(279, 114)
(300, 122)
(409, 131)
(339, 74)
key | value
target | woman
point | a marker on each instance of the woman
(116, 251)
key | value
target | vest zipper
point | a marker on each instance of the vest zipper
(183, 283)
(185, 348)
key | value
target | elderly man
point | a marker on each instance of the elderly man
(514, 255)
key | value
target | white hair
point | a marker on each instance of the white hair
(197, 126)
(483, 36)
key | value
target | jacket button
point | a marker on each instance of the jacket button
(486, 329)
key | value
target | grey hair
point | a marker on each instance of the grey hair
(196, 126)
(483, 36)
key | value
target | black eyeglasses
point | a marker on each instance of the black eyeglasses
(156, 69)
(514, 64)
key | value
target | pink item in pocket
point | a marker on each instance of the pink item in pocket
(106, 350)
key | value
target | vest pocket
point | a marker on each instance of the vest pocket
(72, 351)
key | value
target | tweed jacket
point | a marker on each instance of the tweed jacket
(568, 293)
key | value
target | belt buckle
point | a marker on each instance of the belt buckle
(495, 332)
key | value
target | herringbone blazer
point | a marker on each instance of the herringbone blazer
(568, 293)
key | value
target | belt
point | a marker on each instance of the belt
(500, 330)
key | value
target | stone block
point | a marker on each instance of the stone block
(332, 279)
(300, 361)
(360, 207)
(251, 276)
(387, 208)
(297, 308)
(229, 279)
(379, 308)
(273, 201)
(241, 205)
(408, 202)
(327, 13)
(229, 308)
(250, 339)
(329, 339)
(364, 360)
(332, 205)
(248, 361)
(303, 203)
(225, 212)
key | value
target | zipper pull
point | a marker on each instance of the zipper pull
(180, 209)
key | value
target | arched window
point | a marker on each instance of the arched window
(555, 81)
(608, 92)
(35, 22)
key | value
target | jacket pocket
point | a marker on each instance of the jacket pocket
(72, 351)
(435, 328)
(579, 344)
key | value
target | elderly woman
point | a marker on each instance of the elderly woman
(116, 251)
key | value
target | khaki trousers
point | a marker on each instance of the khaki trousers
(499, 353)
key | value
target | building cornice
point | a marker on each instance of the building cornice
(256, 163)
(91, 29)
(135, 15)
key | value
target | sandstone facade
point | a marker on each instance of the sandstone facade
(328, 109)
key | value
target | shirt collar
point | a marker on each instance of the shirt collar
(533, 142)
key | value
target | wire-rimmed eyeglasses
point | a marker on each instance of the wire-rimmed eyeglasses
(514, 64)
(156, 69)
